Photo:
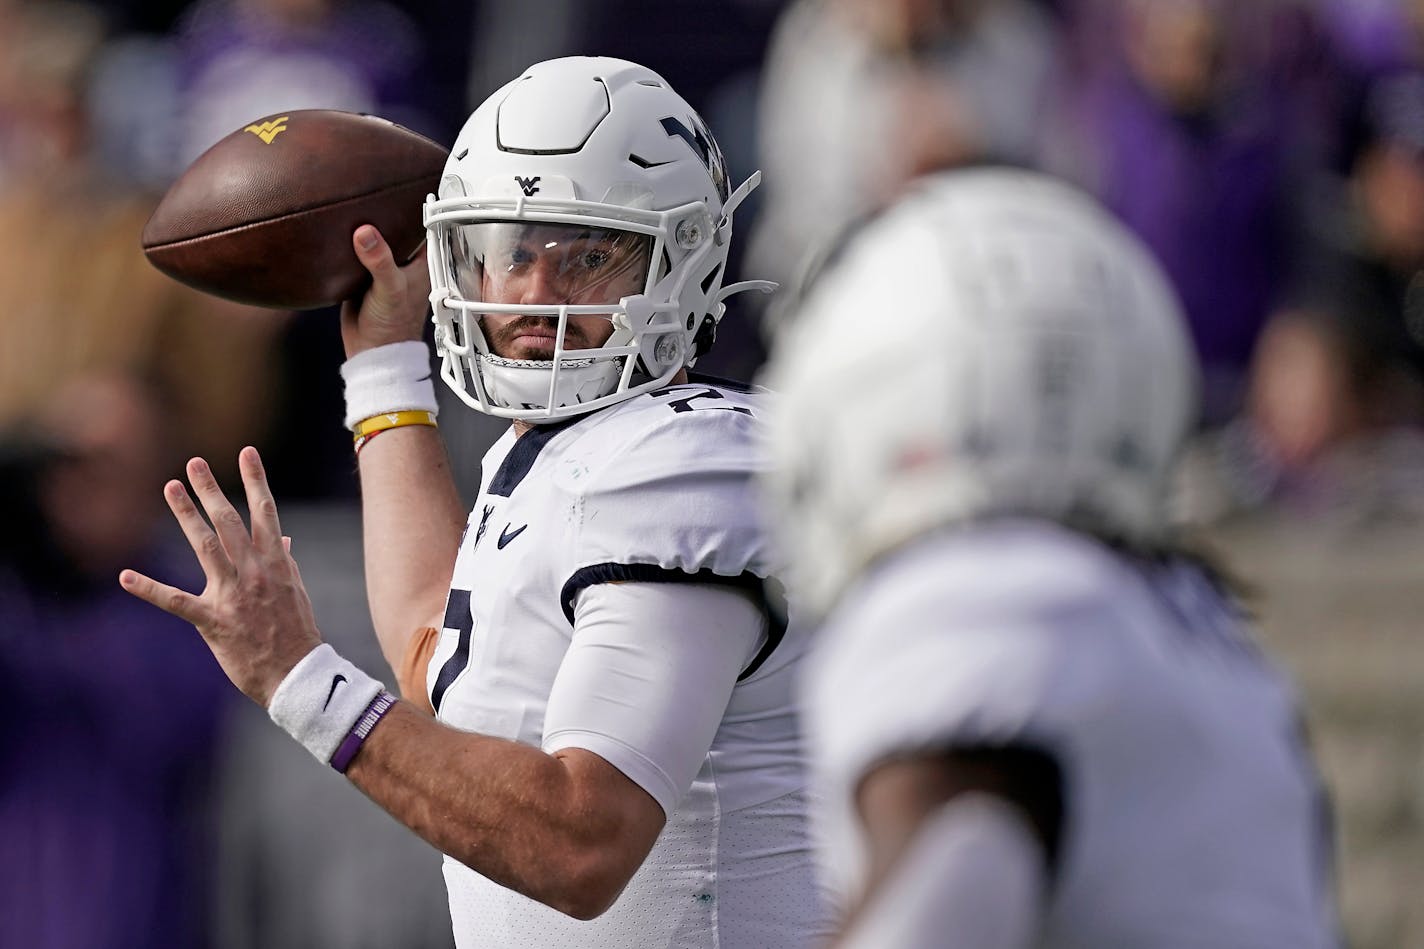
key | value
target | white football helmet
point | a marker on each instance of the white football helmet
(994, 344)
(598, 163)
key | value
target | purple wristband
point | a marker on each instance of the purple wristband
(351, 744)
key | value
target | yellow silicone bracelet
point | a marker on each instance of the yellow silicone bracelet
(379, 423)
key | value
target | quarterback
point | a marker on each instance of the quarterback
(1036, 721)
(596, 721)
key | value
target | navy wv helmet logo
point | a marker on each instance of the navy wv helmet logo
(704, 146)
(530, 186)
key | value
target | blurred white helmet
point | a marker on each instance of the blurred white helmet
(994, 344)
(599, 163)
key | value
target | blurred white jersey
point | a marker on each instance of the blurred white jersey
(1191, 812)
(655, 489)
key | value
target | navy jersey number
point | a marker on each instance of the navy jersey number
(686, 404)
(458, 618)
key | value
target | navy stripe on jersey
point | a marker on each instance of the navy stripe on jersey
(521, 457)
(749, 583)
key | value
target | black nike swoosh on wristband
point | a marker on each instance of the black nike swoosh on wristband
(335, 681)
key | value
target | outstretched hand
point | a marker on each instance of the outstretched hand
(254, 612)
(393, 308)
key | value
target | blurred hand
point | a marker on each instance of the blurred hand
(254, 612)
(393, 308)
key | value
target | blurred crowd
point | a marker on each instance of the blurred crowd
(1271, 153)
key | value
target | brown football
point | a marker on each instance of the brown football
(265, 216)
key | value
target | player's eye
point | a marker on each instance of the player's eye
(596, 258)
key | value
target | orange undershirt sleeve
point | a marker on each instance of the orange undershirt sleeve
(411, 674)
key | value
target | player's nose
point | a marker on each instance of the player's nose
(544, 285)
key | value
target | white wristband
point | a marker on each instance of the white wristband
(321, 700)
(390, 378)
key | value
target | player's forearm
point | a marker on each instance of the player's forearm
(412, 517)
(973, 868)
(532, 822)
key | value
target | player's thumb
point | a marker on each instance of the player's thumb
(375, 255)
(388, 311)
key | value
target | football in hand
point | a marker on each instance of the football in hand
(265, 216)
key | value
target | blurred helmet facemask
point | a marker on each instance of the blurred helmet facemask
(599, 170)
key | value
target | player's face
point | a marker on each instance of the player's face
(548, 264)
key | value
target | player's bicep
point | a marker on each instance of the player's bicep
(648, 676)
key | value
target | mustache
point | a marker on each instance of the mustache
(524, 324)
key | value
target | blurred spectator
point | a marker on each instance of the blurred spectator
(79, 295)
(105, 804)
(1180, 119)
(242, 59)
(1334, 421)
(45, 52)
(859, 96)
(1374, 37)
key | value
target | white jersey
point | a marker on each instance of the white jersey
(1191, 812)
(656, 489)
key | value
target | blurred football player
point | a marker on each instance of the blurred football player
(615, 756)
(1037, 722)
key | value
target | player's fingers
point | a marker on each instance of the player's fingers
(212, 557)
(181, 604)
(261, 507)
(226, 521)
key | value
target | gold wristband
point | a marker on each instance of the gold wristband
(379, 423)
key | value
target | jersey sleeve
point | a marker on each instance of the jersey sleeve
(647, 679)
(672, 499)
(934, 681)
(966, 643)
